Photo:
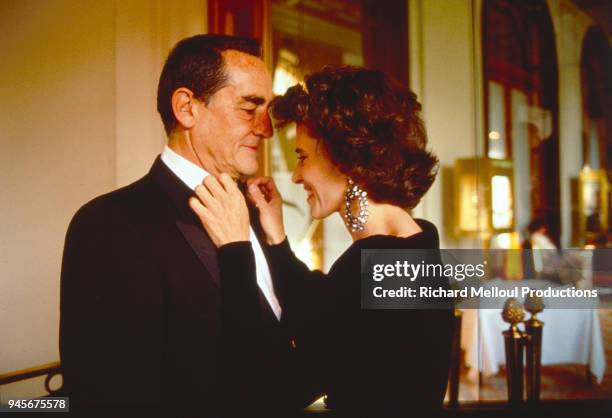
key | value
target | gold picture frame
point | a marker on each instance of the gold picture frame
(592, 204)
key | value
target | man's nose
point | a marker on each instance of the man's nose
(263, 126)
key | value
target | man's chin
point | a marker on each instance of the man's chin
(248, 169)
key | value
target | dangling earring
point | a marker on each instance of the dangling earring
(356, 223)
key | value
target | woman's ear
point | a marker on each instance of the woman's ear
(184, 107)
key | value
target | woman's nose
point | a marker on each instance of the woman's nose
(297, 176)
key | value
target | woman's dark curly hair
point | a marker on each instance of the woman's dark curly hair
(370, 128)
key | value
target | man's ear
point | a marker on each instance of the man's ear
(184, 107)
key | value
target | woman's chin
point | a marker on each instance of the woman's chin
(314, 214)
(317, 212)
(314, 210)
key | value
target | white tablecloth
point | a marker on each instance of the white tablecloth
(569, 336)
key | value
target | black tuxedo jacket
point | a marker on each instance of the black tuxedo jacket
(145, 318)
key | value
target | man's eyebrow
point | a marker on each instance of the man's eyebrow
(256, 100)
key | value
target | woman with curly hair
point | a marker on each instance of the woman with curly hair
(361, 148)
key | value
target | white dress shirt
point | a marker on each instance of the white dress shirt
(192, 175)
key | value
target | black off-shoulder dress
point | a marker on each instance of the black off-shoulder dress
(380, 359)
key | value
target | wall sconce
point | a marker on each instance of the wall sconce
(485, 202)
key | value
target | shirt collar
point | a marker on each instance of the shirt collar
(188, 172)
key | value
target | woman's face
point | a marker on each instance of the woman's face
(324, 184)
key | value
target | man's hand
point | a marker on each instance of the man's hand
(222, 210)
(265, 195)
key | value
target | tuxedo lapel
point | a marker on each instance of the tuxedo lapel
(186, 221)
(202, 246)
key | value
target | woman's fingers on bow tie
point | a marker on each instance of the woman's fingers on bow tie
(266, 197)
(257, 197)
(273, 193)
(266, 187)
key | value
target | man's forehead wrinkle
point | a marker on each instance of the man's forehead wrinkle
(248, 77)
(241, 59)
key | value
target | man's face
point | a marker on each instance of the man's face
(227, 137)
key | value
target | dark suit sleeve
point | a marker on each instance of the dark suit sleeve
(295, 284)
(242, 318)
(243, 323)
(110, 318)
(308, 301)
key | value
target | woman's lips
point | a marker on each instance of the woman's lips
(252, 147)
(309, 194)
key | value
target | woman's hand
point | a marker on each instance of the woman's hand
(265, 195)
(222, 210)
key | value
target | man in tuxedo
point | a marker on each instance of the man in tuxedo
(145, 318)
